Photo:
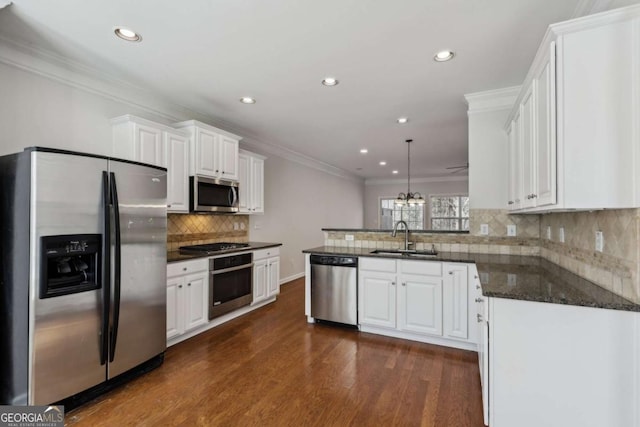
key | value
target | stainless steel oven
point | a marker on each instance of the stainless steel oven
(230, 284)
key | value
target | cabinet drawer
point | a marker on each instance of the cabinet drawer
(423, 268)
(187, 267)
(378, 264)
(266, 253)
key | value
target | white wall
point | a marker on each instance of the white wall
(488, 155)
(299, 202)
(426, 187)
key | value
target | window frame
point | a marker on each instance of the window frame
(459, 219)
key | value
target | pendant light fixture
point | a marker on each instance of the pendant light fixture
(409, 198)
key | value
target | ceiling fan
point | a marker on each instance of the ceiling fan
(457, 169)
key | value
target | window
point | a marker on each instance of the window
(390, 213)
(449, 212)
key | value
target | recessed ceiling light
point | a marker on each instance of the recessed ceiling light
(247, 100)
(394, 172)
(383, 163)
(403, 120)
(330, 81)
(127, 34)
(444, 55)
(364, 151)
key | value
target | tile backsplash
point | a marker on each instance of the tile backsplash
(616, 268)
(195, 229)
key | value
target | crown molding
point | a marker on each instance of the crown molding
(5, 3)
(492, 100)
(377, 181)
(92, 80)
(264, 148)
(597, 19)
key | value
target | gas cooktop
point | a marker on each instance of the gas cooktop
(211, 248)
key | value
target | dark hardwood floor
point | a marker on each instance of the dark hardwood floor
(271, 368)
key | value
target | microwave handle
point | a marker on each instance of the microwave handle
(234, 196)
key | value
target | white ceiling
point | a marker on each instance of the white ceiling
(206, 54)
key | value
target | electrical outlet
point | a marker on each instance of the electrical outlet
(257, 225)
(511, 230)
(348, 237)
(548, 232)
(599, 241)
(512, 279)
(236, 226)
(561, 235)
(484, 229)
(484, 278)
(242, 226)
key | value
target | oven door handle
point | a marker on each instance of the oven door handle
(227, 270)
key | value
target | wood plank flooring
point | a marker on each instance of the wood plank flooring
(271, 368)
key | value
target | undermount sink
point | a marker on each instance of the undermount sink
(408, 253)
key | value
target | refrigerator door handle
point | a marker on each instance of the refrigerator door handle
(117, 267)
(106, 270)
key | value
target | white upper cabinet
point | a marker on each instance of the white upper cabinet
(139, 140)
(251, 181)
(213, 151)
(580, 105)
(153, 143)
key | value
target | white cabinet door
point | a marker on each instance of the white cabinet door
(259, 280)
(244, 183)
(545, 146)
(515, 164)
(527, 126)
(149, 145)
(177, 172)
(455, 301)
(227, 161)
(196, 300)
(175, 307)
(273, 272)
(420, 304)
(377, 299)
(257, 185)
(205, 152)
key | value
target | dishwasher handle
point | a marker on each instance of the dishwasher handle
(338, 261)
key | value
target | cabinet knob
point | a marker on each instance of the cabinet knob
(168, 206)
(217, 171)
(479, 300)
(477, 286)
(188, 284)
(510, 202)
(180, 286)
(393, 283)
(451, 272)
(479, 317)
(475, 276)
(404, 284)
(184, 268)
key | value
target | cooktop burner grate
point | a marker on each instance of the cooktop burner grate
(213, 247)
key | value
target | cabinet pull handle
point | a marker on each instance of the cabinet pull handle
(479, 317)
(510, 202)
(479, 300)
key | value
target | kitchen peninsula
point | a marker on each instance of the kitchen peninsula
(547, 325)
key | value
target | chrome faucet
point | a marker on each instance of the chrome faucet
(406, 233)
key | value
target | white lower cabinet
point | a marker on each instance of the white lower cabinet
(187, 296)
(266, 274)
(419, 300)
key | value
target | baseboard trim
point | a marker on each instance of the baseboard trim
(291, 278)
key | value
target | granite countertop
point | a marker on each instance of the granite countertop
(175, 256)
(528, 278)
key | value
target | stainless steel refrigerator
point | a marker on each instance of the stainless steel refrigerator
(83, 274)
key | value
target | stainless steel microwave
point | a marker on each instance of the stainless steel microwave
(212, 195)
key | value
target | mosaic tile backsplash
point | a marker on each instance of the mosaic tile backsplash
(617, 268)
(192, 229)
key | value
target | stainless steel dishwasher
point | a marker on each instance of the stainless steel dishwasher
(334, 288)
